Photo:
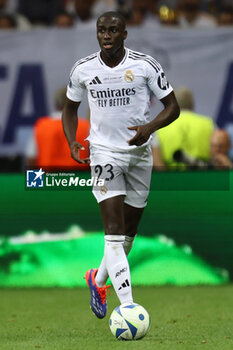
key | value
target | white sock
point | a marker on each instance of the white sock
(102, 274)
(128, 243)
(118, 267)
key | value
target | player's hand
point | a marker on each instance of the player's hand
(142, 135)
(75, 147)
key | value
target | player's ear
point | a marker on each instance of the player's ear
(125, 34)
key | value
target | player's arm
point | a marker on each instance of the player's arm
(170, 113)
(70, 124)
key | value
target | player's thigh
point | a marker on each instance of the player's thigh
(138, 178)
(112, 212)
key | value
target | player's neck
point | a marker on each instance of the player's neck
(114, 59)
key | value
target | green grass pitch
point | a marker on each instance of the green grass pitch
(60, 319)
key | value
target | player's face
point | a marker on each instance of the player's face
(110, 34)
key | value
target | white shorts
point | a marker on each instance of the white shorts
(125, 173)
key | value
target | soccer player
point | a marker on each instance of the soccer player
(118, 82)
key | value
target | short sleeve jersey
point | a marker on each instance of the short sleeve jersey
(118, 97)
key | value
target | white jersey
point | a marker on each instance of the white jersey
(118, 97)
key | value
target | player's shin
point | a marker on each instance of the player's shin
(118, 267)
(102, 274)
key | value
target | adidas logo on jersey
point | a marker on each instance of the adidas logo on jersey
(95, 81)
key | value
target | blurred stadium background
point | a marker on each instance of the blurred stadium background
(194, 209)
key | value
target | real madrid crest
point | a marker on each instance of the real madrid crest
(129, 77)
(103, 190)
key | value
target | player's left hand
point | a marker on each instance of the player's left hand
(142, 135)
(75, 147)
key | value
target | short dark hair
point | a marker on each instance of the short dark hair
(113, 14)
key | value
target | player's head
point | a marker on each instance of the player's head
(111, 31)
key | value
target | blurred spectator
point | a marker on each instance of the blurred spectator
(220, 145)
(90, 9)
(171, 4)
(229, 129)
(168, 16)
(9, 164)
(186, 139)
(141, 12)
(101, 6)
(41, 12)
(137, 13)
(20, 22)
(5, 6)
(83, 9)
(191, 16)
(7, 22)
(48, 148)
(64, 20)
(69, 6)
(224, 3)
(124, 7)
(225, 16)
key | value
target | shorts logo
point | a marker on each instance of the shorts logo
(35, 178)
(103, 190)
(129, 77)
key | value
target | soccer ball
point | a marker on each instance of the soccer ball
(129, 321)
